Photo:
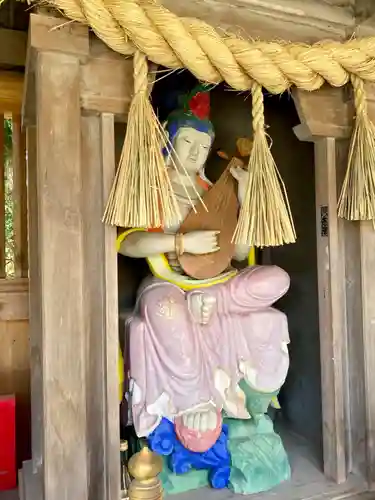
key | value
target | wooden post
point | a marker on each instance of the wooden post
(61, 262)
(367, 242)
(101, 309)
(367, 259)
(356, 399)
(73, 261)
(324, 118)
(35, 310)
(57, 335)
(332, 320)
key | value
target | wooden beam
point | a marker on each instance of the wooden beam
(107, 81)
(50, 34)
(55, 35)
(294, 20)
(11, 92)
(12, 48)
(106, 77)
(323, 113)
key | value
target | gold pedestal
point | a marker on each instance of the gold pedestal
(145, 467)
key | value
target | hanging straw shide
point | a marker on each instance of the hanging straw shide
(357, 198)
(142, 194)
(265, 218)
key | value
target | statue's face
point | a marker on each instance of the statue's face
(191, 148)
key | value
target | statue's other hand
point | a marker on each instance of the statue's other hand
(201, 306)
(241, 177)
(201, 242)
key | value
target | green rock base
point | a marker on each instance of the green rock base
(259, 460)
(180, 483)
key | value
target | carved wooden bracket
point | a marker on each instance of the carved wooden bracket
(327, 112)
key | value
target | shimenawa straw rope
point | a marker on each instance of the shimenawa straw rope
(357, 199)
(142, 194)
(189, 43)
(265, 218)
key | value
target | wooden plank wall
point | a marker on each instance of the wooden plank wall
(15, 358)
(14, 289)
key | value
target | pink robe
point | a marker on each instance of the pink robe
(175, 362)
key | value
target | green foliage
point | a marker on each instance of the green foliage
(8, 138)
(8, 184)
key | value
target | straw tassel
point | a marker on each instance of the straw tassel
(357, 198)
(265, 217)
(142, 195)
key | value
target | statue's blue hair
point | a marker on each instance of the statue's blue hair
(179, 120)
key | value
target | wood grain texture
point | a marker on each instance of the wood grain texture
(107, 84)
(15, 379)
(12, 48)
(60, 297)
(323, 113)
(101, 314)
(35, 289)
(53, 34)
(11, 91)
(367, 241)
(332, 318)
(14, 300)
(355, 398)
(294, 20)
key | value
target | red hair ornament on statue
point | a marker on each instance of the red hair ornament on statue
(199, 105)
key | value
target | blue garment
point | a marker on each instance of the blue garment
(180, 460)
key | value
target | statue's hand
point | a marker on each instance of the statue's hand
(201, 242)
(201, 306)
(241, 177)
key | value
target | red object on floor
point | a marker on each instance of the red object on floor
(8, 473)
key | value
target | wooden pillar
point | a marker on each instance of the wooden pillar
(326, 118)
(101, 309)
(72, 94)
(367, 244)
(35, 311)
(356, 435)
(318, 113)
(61, 261)
(332, 308)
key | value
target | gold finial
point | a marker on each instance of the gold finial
(145, 466)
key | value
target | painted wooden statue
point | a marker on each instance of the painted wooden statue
(208, 356)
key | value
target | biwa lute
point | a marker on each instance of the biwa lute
(221, 215)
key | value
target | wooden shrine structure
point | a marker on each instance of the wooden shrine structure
(74, 90)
